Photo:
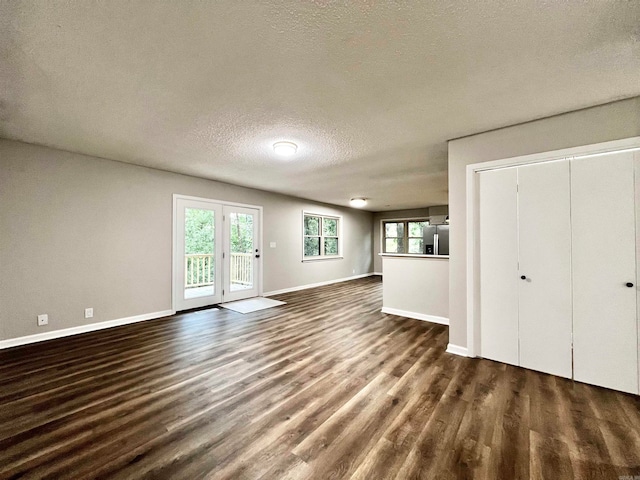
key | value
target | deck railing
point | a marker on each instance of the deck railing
(241, 268)
(199, 272)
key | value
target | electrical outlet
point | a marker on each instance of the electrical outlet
(43, 319)
(88, 313)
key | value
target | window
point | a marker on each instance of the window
(403, 236)
(321, 236)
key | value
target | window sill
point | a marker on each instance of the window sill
(321, 259)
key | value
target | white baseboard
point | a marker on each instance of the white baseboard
(457, 350)
(377, 273)
(67, 332)
(313, 285)
(415, 315)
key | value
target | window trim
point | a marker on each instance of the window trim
(405, 237)
(321, 257)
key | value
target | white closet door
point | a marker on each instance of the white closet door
(544, 230)
(499, 265)
(636, 162)
(605, 337)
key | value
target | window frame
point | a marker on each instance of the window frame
(322, 237)
(405, 237)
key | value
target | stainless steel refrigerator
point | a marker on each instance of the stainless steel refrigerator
(435, 239)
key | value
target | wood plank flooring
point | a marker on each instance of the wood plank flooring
(325, 387)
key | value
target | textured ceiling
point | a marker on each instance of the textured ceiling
(369, 90)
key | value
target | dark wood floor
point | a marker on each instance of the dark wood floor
(326, 387)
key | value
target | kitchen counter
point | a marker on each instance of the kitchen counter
(416, 286)
(412, 255)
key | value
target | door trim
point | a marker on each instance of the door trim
(174, 239)
(472, 213)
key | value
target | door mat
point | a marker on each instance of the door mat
(252, 304)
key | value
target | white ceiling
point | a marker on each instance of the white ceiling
(369, 90)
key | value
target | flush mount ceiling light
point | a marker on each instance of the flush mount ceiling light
(285, 149)
(358, 202)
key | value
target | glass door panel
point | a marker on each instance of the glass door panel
(199, 239)
(197, 270)
(241, 253)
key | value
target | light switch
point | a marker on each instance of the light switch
(272, 244)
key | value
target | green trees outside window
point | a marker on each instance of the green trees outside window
(321, 236)
(199, 228)
(403, 236)
(200, 235)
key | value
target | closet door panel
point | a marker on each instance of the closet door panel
(636, 168)
(605, 334)
(544, 237)
(499, 265)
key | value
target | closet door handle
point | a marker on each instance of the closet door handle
(629, 284)
(523, 277)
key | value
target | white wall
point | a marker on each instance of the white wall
(593, 125)
(78, 231)
(418, 286)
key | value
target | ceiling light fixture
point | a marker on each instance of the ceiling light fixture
(286, 149)
(358, 202)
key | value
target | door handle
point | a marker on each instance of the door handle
(523, 277)
(257, 256)
(629, 284)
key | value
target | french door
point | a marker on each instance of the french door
(216, 252)
(241, 252)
